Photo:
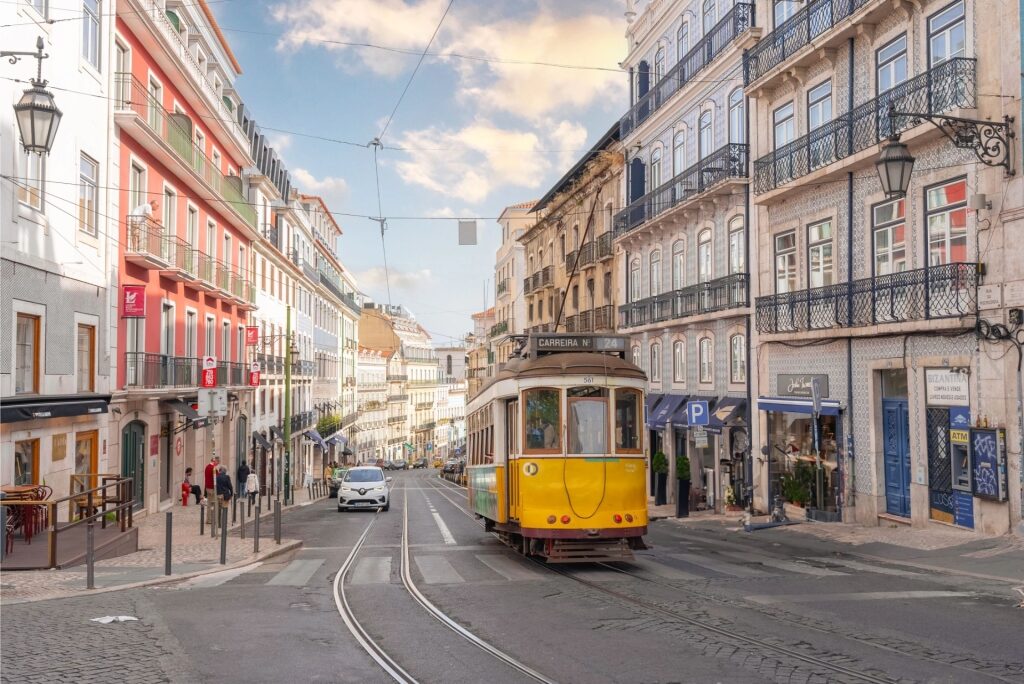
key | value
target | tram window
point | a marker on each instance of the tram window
(512, 426)
(627, 420)
(543, 418)
(588, 420)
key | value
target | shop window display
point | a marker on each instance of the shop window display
(794, 462)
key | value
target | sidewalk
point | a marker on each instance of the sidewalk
(191, 555)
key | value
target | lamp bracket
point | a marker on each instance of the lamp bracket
(14, 56)
(989, 140)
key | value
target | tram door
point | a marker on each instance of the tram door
(512, 466)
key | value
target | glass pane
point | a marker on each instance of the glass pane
(24, 463)
(83, 454)
(627, 419)
(542, 419)
(588, 430)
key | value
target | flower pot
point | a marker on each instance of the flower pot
(682, 498)
(660, 486)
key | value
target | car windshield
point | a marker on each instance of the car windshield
(364, 476)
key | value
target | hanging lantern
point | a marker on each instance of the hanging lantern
(895, 164)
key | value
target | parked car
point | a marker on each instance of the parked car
(419, 463)
(453, 465)
(364, 487)
(335, 482)
(399, 464)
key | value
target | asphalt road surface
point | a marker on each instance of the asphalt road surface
(703, 605)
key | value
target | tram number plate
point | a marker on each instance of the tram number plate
(588, 379)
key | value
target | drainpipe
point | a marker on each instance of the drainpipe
(748, 457)
(849, 308)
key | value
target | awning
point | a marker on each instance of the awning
(53, 407)
(277, 432)
(665, 409)
(314, 436)
(651, 401)
(678, 418)
(725, 411)
(829, 407)
(184, 408)
(262, 441)
(337, 438)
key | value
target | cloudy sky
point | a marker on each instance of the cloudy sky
(477, 130)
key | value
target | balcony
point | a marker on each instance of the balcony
(230, 374)
(155, 371)
(397, 378)
(302, 421)
(271, 233)
(950, 85)
(604, 318)
(147, 244)
(721, 294)
(499, 328)
(349, 300)
(727, 163)
(604, 246)
(587, 255)
(270, 364)
(395, 420)
(735, 22)
(397, 398)
(424, 405)
(501, 287)
(309, 270)
(328, 280)
(429, 425)
(527, 285)
(169, 137)
(936, 292)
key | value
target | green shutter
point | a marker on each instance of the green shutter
(228, 103)
(173, 18)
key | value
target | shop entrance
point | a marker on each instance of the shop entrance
(133, 459)
(896, 441)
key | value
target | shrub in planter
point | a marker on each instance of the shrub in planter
(659, 464)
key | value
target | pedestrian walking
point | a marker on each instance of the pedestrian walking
(209, 476)
(252, 486)
(224, 489)
(243, 476)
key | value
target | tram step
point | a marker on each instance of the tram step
(564, 551)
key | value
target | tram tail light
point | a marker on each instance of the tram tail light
(565, 519)
(629, 517)
(617, 518)
(552, 519)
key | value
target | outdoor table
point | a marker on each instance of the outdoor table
(20, 492)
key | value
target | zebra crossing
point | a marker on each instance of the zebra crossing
(477, 566)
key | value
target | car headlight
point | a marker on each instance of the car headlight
(379, 489)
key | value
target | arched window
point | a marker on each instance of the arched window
(704, 256)
(682, 40)
(448, 364)
(634, 281)
(636, 355)
(679, 361)
(679, 153)
(710, 15)
(655, 273)
(659, 64)
(655, 170)
(737, 258)
(705, 359)
(655, 362)
(705, 135)
(678, 264)
(737, 358)
(736, 122)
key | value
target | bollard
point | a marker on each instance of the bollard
(167, 544)
(277, 522)
(234, 510)
(90, 560)
(202, 521)
(256, 532)
(241, 528)
(249, 502)
(223, 535)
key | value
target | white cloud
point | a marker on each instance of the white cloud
(333, 190)
(376, 278)
(567, 137)
(279, 141)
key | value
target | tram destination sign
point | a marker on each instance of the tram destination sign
(579, 343)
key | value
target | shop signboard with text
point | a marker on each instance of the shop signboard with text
(801, 385)
(946, 387)
(133, 301)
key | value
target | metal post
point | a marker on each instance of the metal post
(223, 535)
(3, 528)
(256, 532)
(249, 503)
(234, 510)
(202, 521)
(241, 529)
(288, 405)
(167, 544)
(90, 559)
(277, 522)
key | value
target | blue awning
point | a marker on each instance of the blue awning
(315, 437)
(665, 410)
(338, 438)
(725, 411)
(679, 417)
(829, 407)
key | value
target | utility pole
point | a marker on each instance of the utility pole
(288, 405)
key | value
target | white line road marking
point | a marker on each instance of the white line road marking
(663, 571)
(437, 570)
(722, 567)
(297, 573)
(857, 565)
(446, 534)
(853, 596)
(372, 570)
(215, 579)
(507, 567)
(791, 566)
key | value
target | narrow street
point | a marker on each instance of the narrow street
(706, 603)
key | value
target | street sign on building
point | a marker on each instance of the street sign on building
(213, 403)
(252, 336)
(697, 413)
(254, 374)
(208, 375)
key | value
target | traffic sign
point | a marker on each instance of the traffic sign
(700, 438)
(816, 396)
(208, 376)
(212, 403)
(697, 413)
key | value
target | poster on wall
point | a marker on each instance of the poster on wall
(988, 463)
(133, 301)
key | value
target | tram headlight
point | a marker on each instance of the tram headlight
(629, 517)
(617, 518)
(552, 520)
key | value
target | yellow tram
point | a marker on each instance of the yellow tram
(555, 450)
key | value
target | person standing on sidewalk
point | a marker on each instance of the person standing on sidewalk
(210, 474)
(252, 485)
(224, 489)
(243, 476)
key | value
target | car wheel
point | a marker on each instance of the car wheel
(386, 507)
(340, 509)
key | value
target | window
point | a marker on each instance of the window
(678, 265)
(561, 247)
(892, 64)
(210, 343)
(156, 100)
(137, 186)
(785, 262)
(659, 64)
(784, 125)
(588, 420)
(655, 362)
(783, 10)
(705, 136)
(655, 273)
(704, 256)
(819, 254)
(737, 358)
(191, 334)
(946, 222)
(170, 212)
(26, 372)
(655, 169)
(627, 420)
(679, 361)
(31, 186)
(576, 297)
(709, 15)
(946, 35)
(91, 32)
(819, 105)
(26, 462)
(543, 421)
(889, 239)
(607, 288)
(679, 153)
(682, 40)
(737, 123)
(635, 354)
(88, 195)
(86, 358)
(705, 359)
(634, 281)
(192, 227)
(737, 256)
(167, 329)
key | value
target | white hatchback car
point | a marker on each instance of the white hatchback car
(364, 487)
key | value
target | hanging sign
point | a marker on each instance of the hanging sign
(133, 301)
(254, 374)
(208, 375)
(943, 387)
(252, 335)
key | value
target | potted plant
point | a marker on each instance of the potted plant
(730, 499)
(659, 464)
(682, 487)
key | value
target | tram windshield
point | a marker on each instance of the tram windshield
(588, 420)
(542, 420)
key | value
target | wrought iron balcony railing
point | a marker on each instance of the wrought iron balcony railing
(499, 328)
(935, 292)
(949, 85)
(813, 20)
(397, 398)
(547, 276)
(502, 286)
(271, 233)
(735, 22)
(397, 378)
(720, 294)
(728, 161)
(310, 270)
(424, 405)
(604, 318)
(231, 374)
(527, 285)
(153, 371)
(394, 420)
(571, 323)
(604, 246)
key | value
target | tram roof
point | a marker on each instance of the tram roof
(570, 363)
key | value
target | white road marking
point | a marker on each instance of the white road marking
(663, 571)
(857, 565)
(853, 596)
(372, 570)
(508, 568)
(437, 570)
(215, 579)
(446, 534)
(791, 566)
(297, 573)
(721, 567)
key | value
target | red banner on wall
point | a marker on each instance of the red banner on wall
(252, 336)
(133, 301)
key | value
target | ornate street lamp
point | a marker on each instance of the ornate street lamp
(989, 140)
(37, 114)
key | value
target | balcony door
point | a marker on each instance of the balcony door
(946, 41)
(949, 289)
(893, 293)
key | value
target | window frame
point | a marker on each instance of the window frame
(678, 264)
(678, 152)
(655, 360)
(789, 121)
(569, 427)
(90, 330)
(34, 456)
(816, 103)
(91, 19)
(88, 185)
(709, 8)
(820, 244)
(36, 323)
(888, 226)
(709, 257)
(558, 427)
(682, 46)
(932, 32)
(33, 184)
(737, 249)
(638, 406)
(739, 363)
(944, 209)
(705, 125)
(635, 282)
(654, 170)
(707, 362)
(786, 252)
(654, 273)
(737, 120)
(679, 362)
(891, 60)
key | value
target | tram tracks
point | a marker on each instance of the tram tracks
(386, 661)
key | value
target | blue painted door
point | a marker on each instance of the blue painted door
(896, 438)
